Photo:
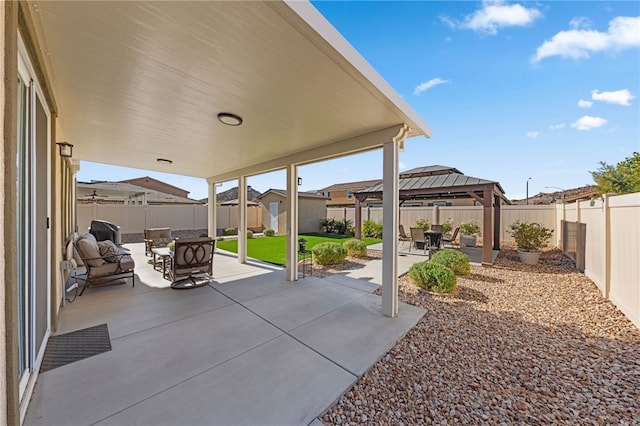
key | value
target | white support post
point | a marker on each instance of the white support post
(75, 168)
(606, 218)
(242, 219)
(390, 199)
(292, 223)
(212, 211)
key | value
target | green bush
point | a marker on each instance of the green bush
(329, 253)
(269, 232)
(335, 226)
(454, 259)
(530, 236)
(447, 226)
(372, 229)
(422, 224)
(356, 248)
(470, 228)
(230, 231)
(220, 238)
(249, 234)
(433, 276)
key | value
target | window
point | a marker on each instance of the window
(440, 203)
(349, 195)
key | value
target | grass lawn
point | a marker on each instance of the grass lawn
(273, 249)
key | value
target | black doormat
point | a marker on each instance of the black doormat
(71, 347)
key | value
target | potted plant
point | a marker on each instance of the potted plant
(530, 238)
(468, 232)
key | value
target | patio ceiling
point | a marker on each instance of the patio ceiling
(137, 81)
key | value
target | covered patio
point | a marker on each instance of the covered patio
(251, 348)
(216, 90)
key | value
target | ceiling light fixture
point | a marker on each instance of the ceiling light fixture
(164, 161)
(229, 119)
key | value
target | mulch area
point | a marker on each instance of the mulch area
(514, 344)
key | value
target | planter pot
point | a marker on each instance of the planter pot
(467, 240)
(529, 257)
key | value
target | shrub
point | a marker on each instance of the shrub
(269, 232)
(372, 229)
(230, 231)
(328, 253)
(470, 228)
(422, 224)
(456, 260)
(433, 276)
(447, 226)
(220, 238)
(530, 236)
(356, 248)
(335, 226)
(249, 234)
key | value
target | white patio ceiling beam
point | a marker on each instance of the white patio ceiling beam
(361, 143)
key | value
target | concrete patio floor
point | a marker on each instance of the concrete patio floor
(250, 348)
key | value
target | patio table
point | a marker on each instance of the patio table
(164, 255)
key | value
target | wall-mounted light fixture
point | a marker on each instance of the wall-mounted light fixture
(229, 119)
(299, 181)
(66, 149)
(164, 161)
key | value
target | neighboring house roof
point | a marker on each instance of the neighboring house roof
(568, 196)
(157, 185)
(283, 193)
(112, 191)
(354, 186)
(232, 194)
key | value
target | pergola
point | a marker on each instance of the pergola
(436, 182)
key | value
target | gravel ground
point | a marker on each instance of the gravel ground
(516, 344)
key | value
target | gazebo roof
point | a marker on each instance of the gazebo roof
(433, 182)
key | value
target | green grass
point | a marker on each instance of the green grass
(273, 249)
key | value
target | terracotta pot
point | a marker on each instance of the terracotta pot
(529, 257)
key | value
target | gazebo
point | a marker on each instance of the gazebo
(437, 182)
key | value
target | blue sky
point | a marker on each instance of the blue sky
(512, 90)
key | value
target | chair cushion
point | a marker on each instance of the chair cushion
(88, 250)
(108, 250)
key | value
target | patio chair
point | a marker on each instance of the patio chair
(436, 228)
(417, 237)
(192, 263)
(451, 239)
(156, 237)
(404, 237)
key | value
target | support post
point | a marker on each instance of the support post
(211, 212)
(487, 239)
(292, 223)
(242, 219)
(497, 225)
(390, 199)
(606, 210)
(358, 220)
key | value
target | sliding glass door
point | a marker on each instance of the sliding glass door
(33, 222)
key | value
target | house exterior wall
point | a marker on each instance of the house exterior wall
(340, 197)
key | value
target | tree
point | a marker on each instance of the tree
(624, 178)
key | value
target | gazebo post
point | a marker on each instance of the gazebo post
(358, 220)
(487, 243)
(496, 222)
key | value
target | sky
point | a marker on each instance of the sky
(512, 91)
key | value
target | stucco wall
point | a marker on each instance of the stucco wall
(310, 212)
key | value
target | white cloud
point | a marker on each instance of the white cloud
(493, 15)
(557, 126)
(623, 33)
(428, 85)
(588, 122)
(401, 165)
(580, 22)
(533, 135)
(620, 97)
(584, 104)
